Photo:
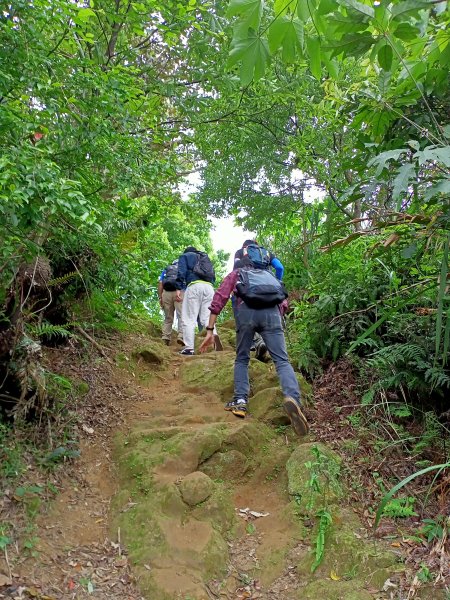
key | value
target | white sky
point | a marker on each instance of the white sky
(229, 237)
(226, 235)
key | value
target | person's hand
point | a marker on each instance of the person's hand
(208, 341)
(178, 296)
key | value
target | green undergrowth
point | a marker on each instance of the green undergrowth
(32, 457)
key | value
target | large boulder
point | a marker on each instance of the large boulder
(215, 372)
(226, 466)
(152, 352)
(267, 406)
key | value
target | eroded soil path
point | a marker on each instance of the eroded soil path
(79, 551)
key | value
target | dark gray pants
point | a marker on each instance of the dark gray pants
(267, 322)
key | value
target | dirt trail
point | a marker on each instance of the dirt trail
(81, 555)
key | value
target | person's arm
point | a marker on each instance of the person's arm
(209, 338)
(220, 298)
(180, 282)
(278, 266)
(160, 291)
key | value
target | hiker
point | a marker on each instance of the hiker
(168, 301)
(258, 297)
(196, 275)
(241, 255)
(240, 259)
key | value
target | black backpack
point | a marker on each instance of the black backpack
(259, 288)
(170, 277)
(203, 267)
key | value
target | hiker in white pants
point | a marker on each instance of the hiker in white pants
(196, 276)
(197, 297)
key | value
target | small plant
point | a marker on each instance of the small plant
(324, 472)
(424, 575)
(434, 529)
(325, 521)
(400, 508)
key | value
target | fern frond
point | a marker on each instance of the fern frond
(437, 377)
(48, 330)
(64, 279)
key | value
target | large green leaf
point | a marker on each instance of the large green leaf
(405, 31)
(251, 10)
(402, 181)
(410, 6)
(313, 47)
(354, 44)
(287, 33)
(359, 7)
(385, 54)
(253, 53)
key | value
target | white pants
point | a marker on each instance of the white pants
(197, 298)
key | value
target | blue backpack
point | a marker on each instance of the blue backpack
(257, 256)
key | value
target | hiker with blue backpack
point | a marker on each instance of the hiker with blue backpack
(196, 276)
(168, 301)
(240, 259)
(258, 295)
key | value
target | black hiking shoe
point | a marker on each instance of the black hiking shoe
(297, 418)
(237, 407)
(186, 352)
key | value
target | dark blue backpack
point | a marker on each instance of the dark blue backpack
(170, 277)
(203, 267)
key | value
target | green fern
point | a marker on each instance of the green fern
(63, 279)
(400, 508)
(49, 330)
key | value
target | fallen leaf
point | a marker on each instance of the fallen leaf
(87, 429)
(334, 576)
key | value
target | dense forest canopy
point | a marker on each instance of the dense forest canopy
(321, 125)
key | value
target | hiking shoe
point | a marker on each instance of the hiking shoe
(180, 342)
(186, 352)
(237, 407)
(297, 418)
(167, 342)
(260, 351)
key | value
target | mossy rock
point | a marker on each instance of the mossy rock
(350, 553)
(230, 325)
(195, 488)
(216, 373)
(325, 470)
(247, 438)
(218, 509)
(334, 590)
(267, 406)
(270, 380)
(228, 466)
(152, 353)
